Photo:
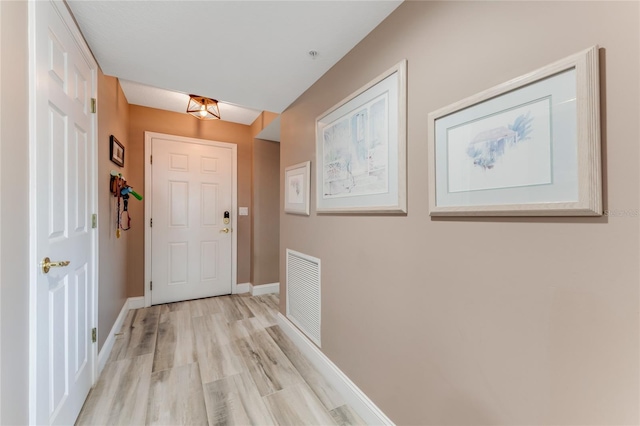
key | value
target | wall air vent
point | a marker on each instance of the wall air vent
(303, 293)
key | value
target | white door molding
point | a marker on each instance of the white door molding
(148, 140)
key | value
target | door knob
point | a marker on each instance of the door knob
(225, 230)
(48, 264)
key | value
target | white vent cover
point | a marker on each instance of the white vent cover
(303, 293)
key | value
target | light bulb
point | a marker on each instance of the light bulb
(203, 111)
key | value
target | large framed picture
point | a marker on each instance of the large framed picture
(361, 149)
(297, 179)
(116, 150)
(528, 147)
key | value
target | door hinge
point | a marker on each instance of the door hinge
(94, 221)
(151, 159)
(151, 285)
(94, 335)
(151, 223)
(93, 105)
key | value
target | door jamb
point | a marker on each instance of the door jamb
(148, 138)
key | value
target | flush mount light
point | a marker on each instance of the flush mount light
(203, 108)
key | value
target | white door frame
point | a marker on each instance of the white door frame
(148, 137)
(34, 269)
(0, 209)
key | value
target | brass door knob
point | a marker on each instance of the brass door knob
(48, 264)
(225, 230)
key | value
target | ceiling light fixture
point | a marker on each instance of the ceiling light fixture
(203, 108)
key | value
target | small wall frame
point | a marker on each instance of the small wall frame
(297, 180)
(116, 151)
(527, 147)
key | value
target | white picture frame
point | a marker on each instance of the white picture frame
(361, 149)
(297, 180)
(527, 147)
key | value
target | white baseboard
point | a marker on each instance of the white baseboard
(352, 395)
(259, 290)
(130, 303)
(135, 302)
(243, 288)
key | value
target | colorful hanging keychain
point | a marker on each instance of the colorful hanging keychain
(119, 188)
(125, 219)
(118, 217)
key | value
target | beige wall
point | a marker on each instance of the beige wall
(14, 223)
(488, 320)
(266, 212)
(113, 119)
(143, 119)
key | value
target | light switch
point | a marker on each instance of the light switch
(243, 211)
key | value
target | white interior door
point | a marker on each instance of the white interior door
(191, 245)
(62, 183)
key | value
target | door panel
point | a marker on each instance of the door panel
(209, 212)
(80, 176)
(63, 151)
(191, 189)
(179, 204)
(82, 319)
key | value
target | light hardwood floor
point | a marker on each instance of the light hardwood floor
(216, 361)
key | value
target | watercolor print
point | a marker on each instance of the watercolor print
(511, 148)
(296, 189)
(356, 152)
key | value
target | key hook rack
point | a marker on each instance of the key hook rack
(119, 187)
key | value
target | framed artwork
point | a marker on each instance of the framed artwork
(528, 147)
(361, 149)
(297, 179)
(116, 151)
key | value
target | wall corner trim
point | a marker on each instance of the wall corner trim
(351, 393)
(259, 290)
(103, 356)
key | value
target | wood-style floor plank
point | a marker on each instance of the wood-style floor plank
(298, 405)
(201, 307)
(318, 384)
(234, 308)
(214, 327)
(235, 401)
(345, 416)
(245, 328)
(176, 306)
(176, 397)
(218, 358)
(119, 397)
(261, 310)
(138, 334)
(175, 344)
(268, 366)
(272, 300)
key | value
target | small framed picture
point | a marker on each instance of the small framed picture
(296, 188)
(117, 151)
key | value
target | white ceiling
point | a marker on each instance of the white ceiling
(252, 54)
(140, 94)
